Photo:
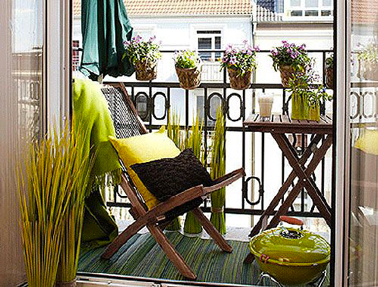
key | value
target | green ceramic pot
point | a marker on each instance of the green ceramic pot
(290, 255)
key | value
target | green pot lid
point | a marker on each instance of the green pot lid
(290, 246)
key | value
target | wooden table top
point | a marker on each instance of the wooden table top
(284, 124)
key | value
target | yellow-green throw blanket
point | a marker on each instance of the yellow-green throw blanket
(91, 110)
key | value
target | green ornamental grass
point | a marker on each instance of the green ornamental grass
(218, 169)
(57, 170)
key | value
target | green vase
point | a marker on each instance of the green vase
(314, 113)
(299, 107)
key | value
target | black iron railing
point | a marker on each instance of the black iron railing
(253, 195)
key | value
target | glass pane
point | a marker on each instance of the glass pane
(209, 32)
(21, 38)
(218, 45)
(327, 2)
(27, 59)
(296, 13)
(363, 229)
(295, 3)
(311, 13)
(311, 3)
(326, 12)
(204, 44)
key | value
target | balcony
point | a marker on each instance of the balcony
(265, 165)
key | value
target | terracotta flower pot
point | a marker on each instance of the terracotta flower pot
(189, 78)
(329, 78)
(146, 71)
(287, 73)
(239, 82)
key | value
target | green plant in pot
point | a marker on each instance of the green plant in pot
(240, 63)
(188, 66)
(329, 72)
(290, 59)
(315, 97)
(144, 55)
(57, 171)
(368, 57)
(306, 96)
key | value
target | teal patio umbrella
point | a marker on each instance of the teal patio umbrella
(105, 27)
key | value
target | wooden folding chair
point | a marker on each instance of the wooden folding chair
(127, 123)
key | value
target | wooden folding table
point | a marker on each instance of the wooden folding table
(279, 126)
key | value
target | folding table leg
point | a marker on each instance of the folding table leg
(276, 200)
(304, 174)
(318, 155)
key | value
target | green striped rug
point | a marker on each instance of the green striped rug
(141, 256)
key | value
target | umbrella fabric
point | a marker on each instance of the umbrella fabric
(105, 26)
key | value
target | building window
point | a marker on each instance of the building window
(209, 40)
(75, 55)
(310, 8)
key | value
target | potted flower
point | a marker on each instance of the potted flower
(144, 55)
(306, 96)
(369, 59)
(329, 72)
(188, 66)
(240, 63)
(314, 98)
(289, 59)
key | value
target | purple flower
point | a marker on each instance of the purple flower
(245, 42)
(233, 60)
(257, 48)
(302, 47)
(153, 38)
(274, 52)
(285, 44)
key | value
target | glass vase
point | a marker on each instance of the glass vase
(299, 107)
(314, 112)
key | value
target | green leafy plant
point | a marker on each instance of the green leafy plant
(329, 62)
(138, 50)
(192, 138)
(194, 141)
(306, 93)
(218, 169)
(290, 55)
(242, 60)
(187, 59)
(369, 53)
(73, 220)
(57, 171)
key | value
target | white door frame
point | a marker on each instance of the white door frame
(341, 192)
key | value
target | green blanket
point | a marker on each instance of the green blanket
(90, 109)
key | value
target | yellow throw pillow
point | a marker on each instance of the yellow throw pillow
(368, 142)
(142, 149)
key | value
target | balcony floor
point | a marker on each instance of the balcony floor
(141, 256)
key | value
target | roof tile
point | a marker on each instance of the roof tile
(157, 8)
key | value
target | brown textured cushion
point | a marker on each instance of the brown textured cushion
(167, 177)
